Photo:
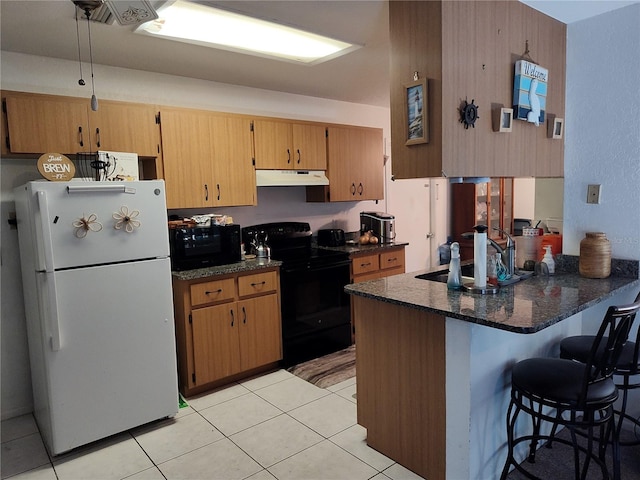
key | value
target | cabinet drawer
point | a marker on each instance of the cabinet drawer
(212, 292)
(257, 283)
(393, 259)
(365, 264)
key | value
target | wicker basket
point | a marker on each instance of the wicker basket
(595, 255)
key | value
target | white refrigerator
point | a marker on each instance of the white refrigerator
(98, 300)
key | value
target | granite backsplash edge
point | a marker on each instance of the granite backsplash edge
(619, 267)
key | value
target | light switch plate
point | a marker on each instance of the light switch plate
(593, 194)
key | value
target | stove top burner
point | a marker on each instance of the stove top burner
(290, 242)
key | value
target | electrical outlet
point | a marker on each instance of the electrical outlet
(593, 194)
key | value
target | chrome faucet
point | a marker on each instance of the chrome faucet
(508, 253)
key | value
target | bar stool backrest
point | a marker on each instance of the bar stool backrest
(607, 345)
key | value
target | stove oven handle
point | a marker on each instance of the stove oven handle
(316, 268)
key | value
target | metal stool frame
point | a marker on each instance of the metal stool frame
(583, 413)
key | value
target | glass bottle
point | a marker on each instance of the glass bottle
(454, 279)
(492, 272)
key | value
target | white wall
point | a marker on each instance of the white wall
(44, 75)
(602, 142)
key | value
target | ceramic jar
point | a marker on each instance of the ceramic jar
(595, 255)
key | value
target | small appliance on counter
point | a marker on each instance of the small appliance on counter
(200, 246)
(331, 237)
(381, 224)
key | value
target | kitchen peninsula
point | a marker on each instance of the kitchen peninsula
(433, 365)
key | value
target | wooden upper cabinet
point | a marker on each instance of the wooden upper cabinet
(355, 166)
(309, 147)
(46, 123)
(207, 159)
(125, 127)
(187, 153)
(466, 51)
(283, 145)
(232, 162)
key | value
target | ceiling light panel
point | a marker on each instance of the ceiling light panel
(203, 25)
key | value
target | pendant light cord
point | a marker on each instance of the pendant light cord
(94, 100)
(81, 81)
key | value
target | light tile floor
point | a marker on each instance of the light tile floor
(275, 426)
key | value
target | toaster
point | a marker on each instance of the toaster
(381, 224)
(331, 237)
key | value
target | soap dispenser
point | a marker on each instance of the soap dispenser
(548, 260)
(454, 280)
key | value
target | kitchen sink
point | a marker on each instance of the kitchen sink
(467, 276)
(442, 275)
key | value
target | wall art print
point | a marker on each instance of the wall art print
(416, 108)
(530, 92)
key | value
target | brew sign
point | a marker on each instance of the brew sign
(56, 167)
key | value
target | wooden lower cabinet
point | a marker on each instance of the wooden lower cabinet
(382, 263)
(401, 384)
(226, 328)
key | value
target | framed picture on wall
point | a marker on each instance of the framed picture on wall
(416, 107)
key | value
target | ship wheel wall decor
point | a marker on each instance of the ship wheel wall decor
(469, 114)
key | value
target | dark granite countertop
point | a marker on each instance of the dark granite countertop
(243, 266)
(355, 248)
(525, 307)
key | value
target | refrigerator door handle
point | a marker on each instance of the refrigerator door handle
(49, 270)
(113, 188)
(53, 311)
(46, 231)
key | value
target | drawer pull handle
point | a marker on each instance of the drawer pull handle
(259, 283)
(365, 264)
(394, 259)
(208, 292)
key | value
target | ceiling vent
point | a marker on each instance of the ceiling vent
(125, 12)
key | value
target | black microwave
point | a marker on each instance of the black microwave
(199, 247)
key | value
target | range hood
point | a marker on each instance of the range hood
(290, 178)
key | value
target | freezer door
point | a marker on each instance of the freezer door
(116, 365)
(92, 223)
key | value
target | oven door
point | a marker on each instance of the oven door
(316, 312)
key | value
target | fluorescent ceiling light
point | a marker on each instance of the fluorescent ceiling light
(203, 25)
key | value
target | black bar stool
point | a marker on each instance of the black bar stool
(628, 366)
(572, 394)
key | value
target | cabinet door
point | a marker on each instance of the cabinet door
(234, 176)
(260, 337)
(273, 145)
(355, 164)
(216, 347)
(309, 147)
(368, 163)
(41, 123)
(342, 185)
(187, 151)
(125, 127)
